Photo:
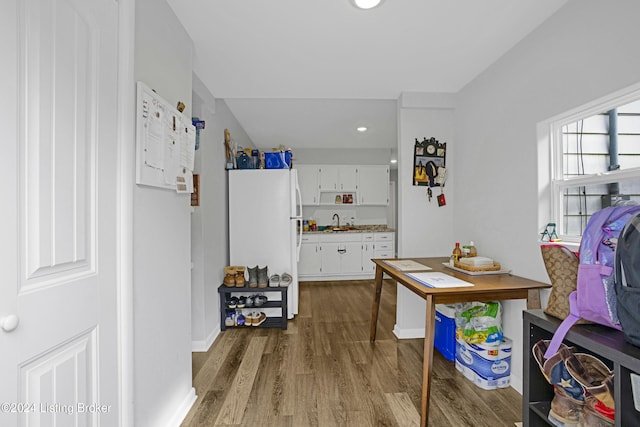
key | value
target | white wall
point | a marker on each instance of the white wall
(585, 51)
(161, 241)
(209, 231)
(424, 228)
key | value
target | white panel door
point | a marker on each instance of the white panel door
(58, 336)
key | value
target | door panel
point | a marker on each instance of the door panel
(58, 231)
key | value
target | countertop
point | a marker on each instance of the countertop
(353, 229)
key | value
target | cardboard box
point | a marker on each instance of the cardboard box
(486, 365)
(445, 331)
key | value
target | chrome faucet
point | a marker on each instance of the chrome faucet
(335, 215)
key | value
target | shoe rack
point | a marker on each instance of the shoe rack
(604, 343)
(226, 292)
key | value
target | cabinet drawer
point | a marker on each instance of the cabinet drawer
(382, 237)
(384, 246)
(383, 254)
(310, 238)
(367, 237)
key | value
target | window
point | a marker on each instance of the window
(594, 161)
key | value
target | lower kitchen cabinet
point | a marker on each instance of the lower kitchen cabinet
(310, 261)
(343, 256)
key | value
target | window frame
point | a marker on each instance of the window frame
(550, 137)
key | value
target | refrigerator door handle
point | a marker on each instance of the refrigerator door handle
(299, 242)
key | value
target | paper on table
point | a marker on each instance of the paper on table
(438, 280)
(407, 265)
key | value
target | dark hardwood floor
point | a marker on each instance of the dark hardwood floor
(323, 371)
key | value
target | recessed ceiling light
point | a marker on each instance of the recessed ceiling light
(361, 128)
(394, 161)
(366, 4)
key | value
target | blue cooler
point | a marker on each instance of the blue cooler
(445, 331)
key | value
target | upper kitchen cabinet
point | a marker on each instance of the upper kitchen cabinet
(373, 185)
(308, 182)
(338, 178)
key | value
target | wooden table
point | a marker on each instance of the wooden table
(494, 287)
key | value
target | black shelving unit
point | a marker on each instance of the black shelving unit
(225, 293)
(605, 343)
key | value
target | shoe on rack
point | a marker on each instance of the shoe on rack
(260, 319)
(229, 280)
(263, 277)
(240, 320)
(285, 279)
(241, 302)
(249, 301)
(230, 319)
(253, 277)
(274, 281)
(250, 318)
(239, 279)
(232, 302)
(259, 300)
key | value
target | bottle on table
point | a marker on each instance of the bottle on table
(457, 253)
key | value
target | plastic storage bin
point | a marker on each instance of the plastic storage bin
(277, 160)
(445, 331)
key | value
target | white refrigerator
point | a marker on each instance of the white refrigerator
(265, 214)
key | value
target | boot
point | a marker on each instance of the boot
(263, 277)
(568, 401)
(597, 380)
(253, 277)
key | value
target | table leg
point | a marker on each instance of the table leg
(427, 363)
(376, 304)
(533, 299)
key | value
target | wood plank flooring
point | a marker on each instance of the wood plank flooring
(322, 371)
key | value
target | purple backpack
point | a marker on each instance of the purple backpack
(594, 298)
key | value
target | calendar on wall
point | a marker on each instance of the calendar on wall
(165, 143)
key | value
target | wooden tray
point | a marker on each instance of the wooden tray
(502, 270)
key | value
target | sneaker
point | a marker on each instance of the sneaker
(249, 301)
(274, 281)
(229, 280)
(263, 277)
(240, 320)
(260, 300)
(241, 302)
(253, 277)
(230, 319)
(250, 318)
(260, 319)
(285, 279)
(233, 302)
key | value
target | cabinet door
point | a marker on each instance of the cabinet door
(367, 253)
(308, 182)
(373, 185)
(328, 177)
(330, 257)
(351, 257)
(310, 261)
(348, 178)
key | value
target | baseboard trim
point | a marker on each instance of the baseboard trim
(183, 409)
(204, 345)
(403, 334)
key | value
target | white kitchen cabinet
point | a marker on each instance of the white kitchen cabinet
(308, 182)
(367, 255)
(310, 261)
(383, 244)
(338, 178)
(373, 185)
(341, 258)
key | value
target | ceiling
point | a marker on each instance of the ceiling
(306, 73)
